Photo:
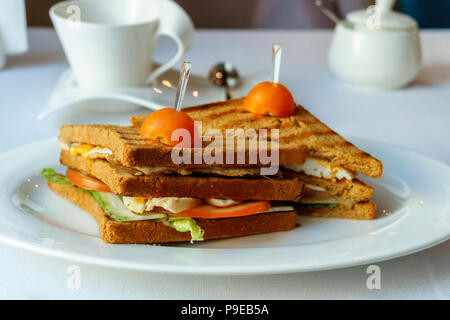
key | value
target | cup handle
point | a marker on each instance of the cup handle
(176, 24)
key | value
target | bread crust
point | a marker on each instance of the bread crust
(364, 210)
(144, 232)
(298, 132)
(338, 189)
(122, 182)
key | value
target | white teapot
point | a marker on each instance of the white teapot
(376, 47)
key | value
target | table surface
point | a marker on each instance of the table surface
(416, 117)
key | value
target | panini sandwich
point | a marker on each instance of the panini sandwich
(136, 193)
(132, 187)
(308, 151)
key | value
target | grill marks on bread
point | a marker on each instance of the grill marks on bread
(300, 130)
(301, 135)
(134, 150)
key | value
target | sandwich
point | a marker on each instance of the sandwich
(308, 151)
(137, 194)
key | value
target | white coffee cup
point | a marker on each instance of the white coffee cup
(110, 43)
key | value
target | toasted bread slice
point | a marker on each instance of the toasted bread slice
(340, 190)
(129, 147)
(122, 181)
(364, 210)
(132, 149)
(148, 231)
(297, 132)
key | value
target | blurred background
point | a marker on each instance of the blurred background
(274, 14)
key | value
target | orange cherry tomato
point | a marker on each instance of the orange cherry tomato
(243, 209)
(160, 125)
(86, 182)
(271, 99)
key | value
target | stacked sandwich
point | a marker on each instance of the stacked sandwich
(309, 151)
(137, 194)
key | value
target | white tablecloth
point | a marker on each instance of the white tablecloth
(417, 117)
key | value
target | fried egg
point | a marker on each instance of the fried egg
(136, 204)
(90, 152)
(322, 169)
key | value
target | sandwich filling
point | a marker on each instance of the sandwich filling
(319, 195)
(140, 205)
(173, 204)
(313, 167)
(178, 213)
(95, 152)
(322, 169)
(316, 195)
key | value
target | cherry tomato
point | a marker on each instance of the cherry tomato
(271, 99)
(160, 125)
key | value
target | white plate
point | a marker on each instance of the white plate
(414, 214)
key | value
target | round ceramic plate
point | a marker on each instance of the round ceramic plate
(413, 214)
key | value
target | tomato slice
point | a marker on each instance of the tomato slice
(86, 182)
(243, 209)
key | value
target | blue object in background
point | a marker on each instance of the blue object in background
(428, 13)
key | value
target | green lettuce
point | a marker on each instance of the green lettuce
(180, 224)
(187, 224)
(50, 175)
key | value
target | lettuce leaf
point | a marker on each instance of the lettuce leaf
(180, 224)
(187, 224)
(50, 175)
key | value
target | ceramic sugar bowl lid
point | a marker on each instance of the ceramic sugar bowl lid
(381, 16)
